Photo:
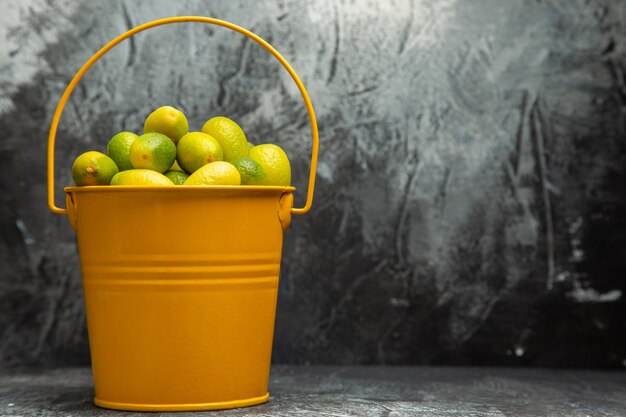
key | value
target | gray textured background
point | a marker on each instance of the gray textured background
(470, 200)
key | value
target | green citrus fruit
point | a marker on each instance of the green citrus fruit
(274, 162)
(93, 168)
(140, 177)
(177, 177)
(196, 149)
(229, 135)
(167, 120)
(119, 147)
(153, 151)
(175, 167)
(250, 171)
(215, 173)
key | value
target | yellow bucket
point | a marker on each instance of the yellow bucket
(180, 310)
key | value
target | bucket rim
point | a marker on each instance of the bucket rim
(168, 188)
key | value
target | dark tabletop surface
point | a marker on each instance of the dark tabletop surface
(358, 391)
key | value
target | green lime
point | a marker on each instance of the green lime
(119, 147)
(177, 177)
(274, 162)
(196, 149)
(167, 120)
(93, 168)
(215, 173)
(140, 177)
(175, 167)
(153, 151)
(229, 135)
(250, 171)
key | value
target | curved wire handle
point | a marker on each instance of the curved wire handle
(68, 91)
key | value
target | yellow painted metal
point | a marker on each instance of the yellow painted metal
(180, 282)
(180, 292)
(200, 19)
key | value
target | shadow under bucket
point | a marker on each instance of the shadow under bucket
(180, 282)
(180, 288)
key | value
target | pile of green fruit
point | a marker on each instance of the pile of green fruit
(168, 154)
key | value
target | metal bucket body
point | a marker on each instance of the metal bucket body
(180, 291)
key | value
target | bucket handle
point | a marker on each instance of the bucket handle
(178, 19)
